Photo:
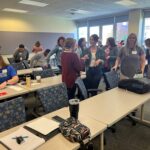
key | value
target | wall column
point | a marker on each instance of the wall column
(135, 23)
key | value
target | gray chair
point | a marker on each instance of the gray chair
(12, 113)
(111, 79)
(52, 98)
(84, 93)
(44, 73)
(26, 64)
(18, 66)
(11, 60)
(130, 65)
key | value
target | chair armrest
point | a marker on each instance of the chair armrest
(94, 90)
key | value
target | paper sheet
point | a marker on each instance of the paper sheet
(16, 88)
(43, 125)
(30, 143)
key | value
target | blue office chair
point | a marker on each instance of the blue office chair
(111, 79)
(83, 92)
(52, 98)
(12, 113)
(130, 65)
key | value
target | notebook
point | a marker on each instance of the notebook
(31, 141)
(43, 125)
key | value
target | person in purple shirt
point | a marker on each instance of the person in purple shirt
(8, 75)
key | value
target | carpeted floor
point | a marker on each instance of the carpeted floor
(128, 137)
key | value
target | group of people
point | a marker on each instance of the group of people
(96, 60)
(71, 59)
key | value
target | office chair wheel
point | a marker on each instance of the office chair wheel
(133, 123)
(113, 130)
(133, 113)
(104, 141)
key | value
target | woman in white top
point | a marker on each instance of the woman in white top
(94, 63)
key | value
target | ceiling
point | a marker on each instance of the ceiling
(62, 8)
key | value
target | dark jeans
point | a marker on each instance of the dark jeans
(93, 78)
(105, 80)
(71, 92)
(60, 68)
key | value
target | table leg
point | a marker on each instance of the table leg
(102, 141)
(142, 113)
(141, 118)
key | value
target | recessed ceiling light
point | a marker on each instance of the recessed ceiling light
(33, 3)
(15, 10)
(126, 2)
(79, 11)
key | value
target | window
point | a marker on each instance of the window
(107, 31)
(121, 31)
(94, 30)
(82, 32)
(147, 28)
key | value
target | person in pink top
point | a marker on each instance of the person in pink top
(37, 47)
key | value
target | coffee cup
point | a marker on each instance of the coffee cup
(38, 79)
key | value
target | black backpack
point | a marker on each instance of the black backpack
(139, 86)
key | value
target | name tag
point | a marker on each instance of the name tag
(3, 74)
(4, 71)
(134, 52)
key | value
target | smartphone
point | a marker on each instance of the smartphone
(58, 119)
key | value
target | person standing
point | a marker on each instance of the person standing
(81, 52)
(147, 50)
(21, 53)
(131, 49)
(94, 64)
(70, 67)
(111, 53)
(58, 51)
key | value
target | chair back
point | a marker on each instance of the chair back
(53, 98)
(12, 113)
(26, 64)
(18, 66)
(111, 78)
(11, 60)
(44, 73)
(130, 66)
(81, 87)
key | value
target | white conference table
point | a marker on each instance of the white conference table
(58, 142)
(111, 106)
(45, 82)
(19, 89)
(12, 91)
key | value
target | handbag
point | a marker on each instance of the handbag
(74, 131)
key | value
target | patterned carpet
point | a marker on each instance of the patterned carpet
(128, 137)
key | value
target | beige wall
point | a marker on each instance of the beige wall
(30, 23)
